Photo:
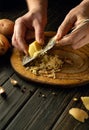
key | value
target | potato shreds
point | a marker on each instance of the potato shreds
(47, 65)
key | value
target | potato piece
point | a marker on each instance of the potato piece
(85, 101)
(34, 48)
(4, 44)
(78, 114)
(6, 27)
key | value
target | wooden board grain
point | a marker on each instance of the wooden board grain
(70, 75)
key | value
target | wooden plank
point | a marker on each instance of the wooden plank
(5, 69)
(66, 121)
(15, 100)
(40, 112)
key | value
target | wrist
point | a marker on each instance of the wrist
(37, 4)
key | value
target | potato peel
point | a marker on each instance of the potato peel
(79, 114)
(85, 101)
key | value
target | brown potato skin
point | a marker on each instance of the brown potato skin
(6, 27)
(4, 44)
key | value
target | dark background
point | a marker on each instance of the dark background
(11, 4)
(57, 10)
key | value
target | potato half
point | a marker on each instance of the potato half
(6, 27)
(4, 44)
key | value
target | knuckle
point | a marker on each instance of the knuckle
(19, 20)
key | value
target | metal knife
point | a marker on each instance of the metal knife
(27, 59)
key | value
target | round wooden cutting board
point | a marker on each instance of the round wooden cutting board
(72, 74)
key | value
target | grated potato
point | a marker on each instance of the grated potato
(46, 65)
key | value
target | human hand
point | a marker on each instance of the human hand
(34, 20)
(74, 18)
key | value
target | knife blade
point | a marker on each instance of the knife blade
(27, 59)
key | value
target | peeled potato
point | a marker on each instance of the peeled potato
(6, 27)
(4, 44)
(34, 47)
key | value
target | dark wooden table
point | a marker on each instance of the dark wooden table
(38, 106)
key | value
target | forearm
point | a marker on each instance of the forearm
(32, 4)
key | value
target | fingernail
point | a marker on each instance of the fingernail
(57, 41)
(58, 36)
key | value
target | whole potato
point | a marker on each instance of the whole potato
(4, 44)
(6, 27)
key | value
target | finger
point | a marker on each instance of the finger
(72, 38)
(18, 39)
(66, 26)
(14, 43)
(39, 33)
(82, 42)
